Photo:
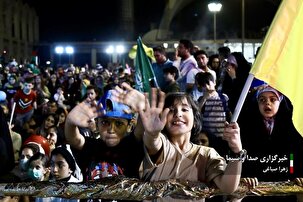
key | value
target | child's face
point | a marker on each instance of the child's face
(112, 130)
(59, 167)
(268, 103)
(59, 90)
(211, 86)
(168, 77)
(12, 80)
(91, 94)
(180, 119)
(37, 170)
(202, 139)
(27, 87)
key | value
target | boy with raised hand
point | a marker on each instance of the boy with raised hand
(119, 151)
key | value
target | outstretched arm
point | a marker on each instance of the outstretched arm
(80, 116)
(153, 119)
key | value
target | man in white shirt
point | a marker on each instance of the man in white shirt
(187, 64)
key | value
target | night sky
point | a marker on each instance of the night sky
(69, 20)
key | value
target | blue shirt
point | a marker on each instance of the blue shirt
(158, 71)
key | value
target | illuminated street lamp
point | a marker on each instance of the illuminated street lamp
(59, 50)
(110, 51)
(215, 7)
(120, 49)
(114, 52)
(69, 50)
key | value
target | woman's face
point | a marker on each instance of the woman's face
(62, 118)
(59, 167)
(52, 137)
(180, 119)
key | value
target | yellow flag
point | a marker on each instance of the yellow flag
(280, 59)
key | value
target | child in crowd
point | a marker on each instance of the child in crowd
(38, 167)
(214, 109)
(171, 74)
(63, 168)
(198, 87)
(63, 165)
(271, 139)
(25, 100)
(169, 122)
(32, 145)
(60, 99)
(201, 138)
(118, 147)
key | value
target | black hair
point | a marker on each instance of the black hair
(187, 44)
(34, 147)
(224, 51)
(172, 70)
(54, 115)
(93, 87)
(203, 78)
(39, 156)
(200, 52)
(160, 49)
(66, 155)
(173, 97)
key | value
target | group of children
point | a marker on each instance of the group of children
(149, 136)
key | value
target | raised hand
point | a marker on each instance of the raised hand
(83, 113)
(129, 96)
(154, 117)
(232, 136)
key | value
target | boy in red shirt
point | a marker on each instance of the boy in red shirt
(25, 100)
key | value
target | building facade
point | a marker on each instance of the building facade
(19, 31)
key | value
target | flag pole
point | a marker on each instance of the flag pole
(242, 98)
(12, 115)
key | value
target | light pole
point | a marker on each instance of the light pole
(243, 25)
(215, 7)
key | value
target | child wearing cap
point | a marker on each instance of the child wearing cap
(269, 136)
(119, 150)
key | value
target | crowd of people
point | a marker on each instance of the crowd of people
(66, 124)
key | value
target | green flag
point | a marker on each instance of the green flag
(145, 77)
